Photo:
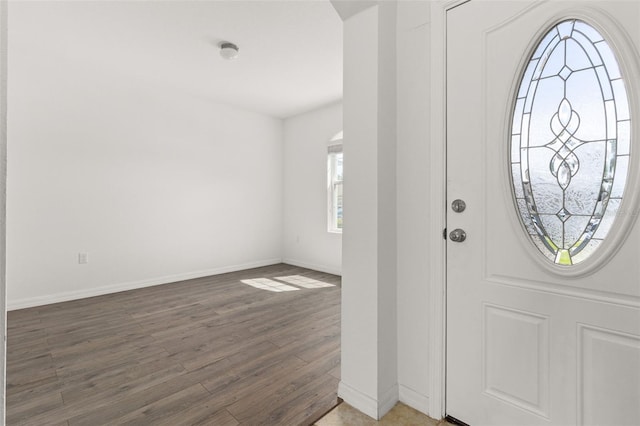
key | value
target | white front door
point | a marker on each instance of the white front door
(530, 338)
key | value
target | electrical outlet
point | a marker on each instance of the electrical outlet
(83, 258)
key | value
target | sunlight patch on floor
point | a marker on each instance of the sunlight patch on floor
(288, 283)
(270, 285)
(304, 282)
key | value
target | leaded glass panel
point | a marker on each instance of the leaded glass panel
(570, 142)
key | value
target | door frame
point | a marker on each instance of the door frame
(438, 211)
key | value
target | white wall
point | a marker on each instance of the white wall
(388, 233)
(359, 349)
(369, 289)
(306, 239)
(387, 208)
(414, 202)
(3, 202)
(153, 183)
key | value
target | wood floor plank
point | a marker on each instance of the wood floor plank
(318, 398)
(86, 365)
(26, 347)
(26, 408)
(238, 388)
(199, 414)
(289, 407)
(127, 380)
(114, 397)
(213, 352)
(179, 401)
(132, 401)
(210, 351)
(284, 389)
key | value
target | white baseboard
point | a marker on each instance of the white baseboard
(132, 285)
(387, 401)
(358, 400)
(314, 266)
(414, 399)
(366, 404)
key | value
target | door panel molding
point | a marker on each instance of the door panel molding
(622, 300)
(532, 333)
(595, 375)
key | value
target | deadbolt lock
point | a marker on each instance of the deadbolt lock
(458, 206)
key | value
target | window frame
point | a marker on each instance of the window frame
(335, 187)
(578, 264)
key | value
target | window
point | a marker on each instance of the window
(570, 142)
(334, 181)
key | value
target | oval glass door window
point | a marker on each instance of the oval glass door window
(570, 142)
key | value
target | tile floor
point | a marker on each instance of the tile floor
(400, 415)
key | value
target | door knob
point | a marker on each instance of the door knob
(458, 235)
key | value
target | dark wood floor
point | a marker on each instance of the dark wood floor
(215, 351)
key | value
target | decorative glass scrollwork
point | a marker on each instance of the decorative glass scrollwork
(570, 142)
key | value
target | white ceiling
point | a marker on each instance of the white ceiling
(290, 51)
